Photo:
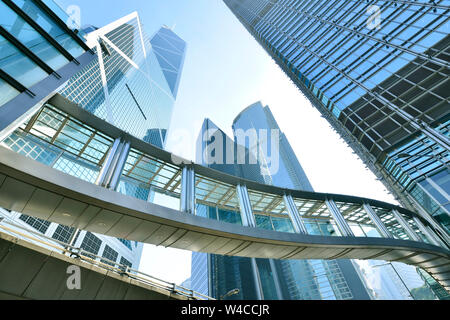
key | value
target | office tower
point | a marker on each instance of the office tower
(170, 51)
(132, 84)
(287, 172)
(216, 275)
(125, 84)
(378, 72)
(186, 283)
(297, 279)
(396, 281)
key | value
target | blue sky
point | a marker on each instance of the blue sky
(225, 71)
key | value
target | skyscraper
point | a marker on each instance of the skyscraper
(275, 279)
(130, 84)
(216, 275)
(378, 72)
(126, 84)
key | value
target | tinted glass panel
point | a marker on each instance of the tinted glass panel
(50, 26)
(18, 66)
(29, 37)
(6, 92)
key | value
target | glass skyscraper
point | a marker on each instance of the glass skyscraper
(378, 72)
(297, 279)
(217, 275)
(131, 83)
(39, 53)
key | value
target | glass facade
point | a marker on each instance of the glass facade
(33, 47)
(378, 72)
(169, 50)
(126, 84)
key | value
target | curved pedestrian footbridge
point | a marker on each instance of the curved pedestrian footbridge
(67, 166)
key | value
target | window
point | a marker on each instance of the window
(7, 92)
(125, 262)
(19, 66)
(127, 243)
(63, 233)
(91, 244)
(38, 224)
(109, 254)
(50, 26)
(29, 37)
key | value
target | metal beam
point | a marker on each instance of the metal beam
(343, 226)
(377, 221)
(40, 30)
(61, 23)
(405, 225)
(27, 52)
(427, 232)
(14, 83)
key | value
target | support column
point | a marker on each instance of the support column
(405, 225)
(118, 169)
(276, 279)
(343, 226)
(296, 218)
(427, 232)
(107, 163)
(377, 221)
(248, 220)
(187, 201)
(111, 171)
(257, 280)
